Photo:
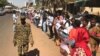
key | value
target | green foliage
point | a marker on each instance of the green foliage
(3, 3)
(37, 2)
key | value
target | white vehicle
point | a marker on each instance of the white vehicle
(8, 9)
(2, 11)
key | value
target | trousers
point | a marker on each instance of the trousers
(22, 49)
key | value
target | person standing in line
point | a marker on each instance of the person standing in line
(40, 21)
(64, 34)
(50, 21)
(58, 20)
(15, 17)
(81, 40)
(84, 23)
(30, 15)
(22, 37)
(37, 18)
(44, 23)
(95, 36)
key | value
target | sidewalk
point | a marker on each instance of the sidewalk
(45, 46)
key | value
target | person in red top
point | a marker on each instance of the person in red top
(81, 38)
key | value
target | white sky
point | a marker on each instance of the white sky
(19, 3)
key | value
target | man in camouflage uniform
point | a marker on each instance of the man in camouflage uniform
(22, 37)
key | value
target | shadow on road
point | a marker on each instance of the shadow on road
(34, 52)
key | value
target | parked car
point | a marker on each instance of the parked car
(8, 9)
(2, 11)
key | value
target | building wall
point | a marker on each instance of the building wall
(94, 10)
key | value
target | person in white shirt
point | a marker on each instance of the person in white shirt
(37, 18)
(15, 17)
(63, 34)
(50, 21)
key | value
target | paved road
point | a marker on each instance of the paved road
(44, 45)
(6, 36)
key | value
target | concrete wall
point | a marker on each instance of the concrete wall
(95, 10)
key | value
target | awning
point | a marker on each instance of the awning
(81, 3)
(89, 3)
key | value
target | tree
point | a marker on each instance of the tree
(54, 4)
(3, 3)
(37, 2)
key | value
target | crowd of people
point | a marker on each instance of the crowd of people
(74, 36)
